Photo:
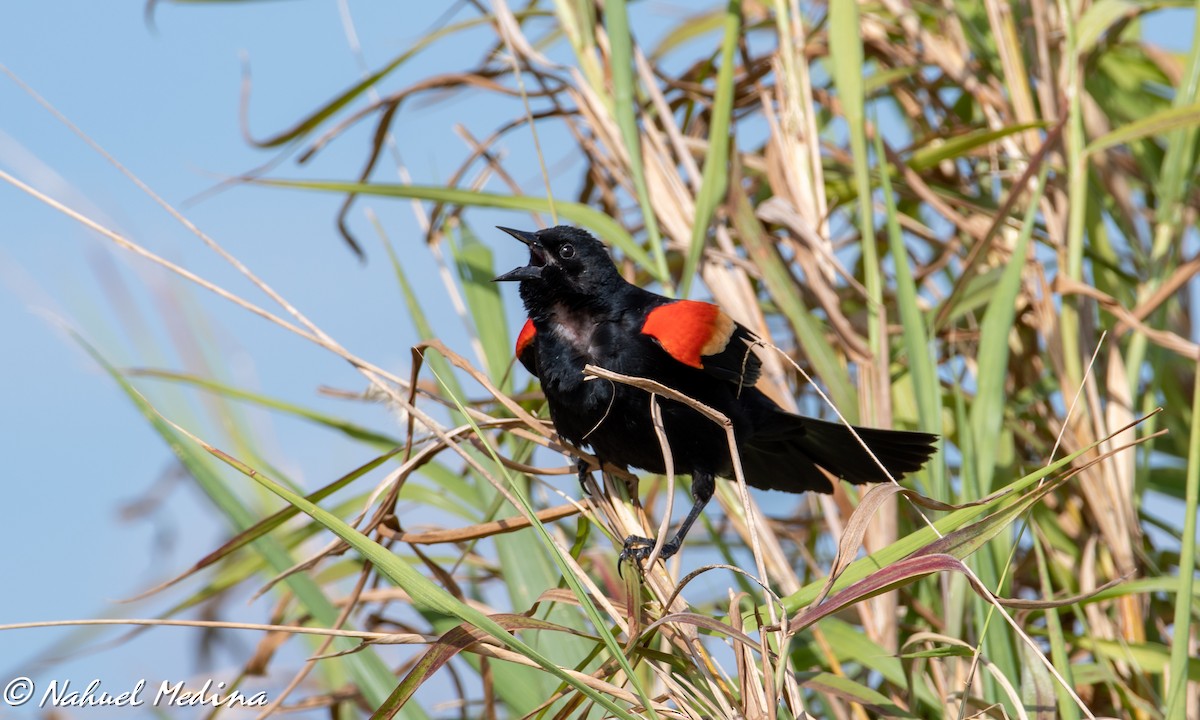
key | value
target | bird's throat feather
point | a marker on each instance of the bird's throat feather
(574, 327)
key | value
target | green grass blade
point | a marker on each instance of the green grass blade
(616, 19)
(707, 21)
(1067, 709)
(850, 644)
(938, 150)
(1077, 198)
(1178, 168)
(1159, 123)
(921, 537)
(313, 120)
(1098, 18)
(349, 429)
(986, 417)
(266, 525)
(715, 178)
(988, 409)
(475, 272)
(843, 687)
(1177, 693)
(846, 55)
(921, 355)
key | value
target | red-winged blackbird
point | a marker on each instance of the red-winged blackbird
(582, 311)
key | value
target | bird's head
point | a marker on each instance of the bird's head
(566, 265)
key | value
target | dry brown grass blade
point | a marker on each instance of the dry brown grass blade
(1129, 319)
(811, 254)
(669, 466)
(1178, 278)
(457, 360)
(479, 531)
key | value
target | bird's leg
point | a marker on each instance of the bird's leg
(585, 473)
(639, 548)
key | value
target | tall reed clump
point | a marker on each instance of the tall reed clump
(968, 218)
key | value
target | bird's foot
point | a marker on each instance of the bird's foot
(638, 548)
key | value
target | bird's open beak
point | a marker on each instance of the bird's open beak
(526, 237)
(537, 258)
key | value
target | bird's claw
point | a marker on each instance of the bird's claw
(638, 548)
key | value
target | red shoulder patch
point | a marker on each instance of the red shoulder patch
(689, 330)
(525, 337)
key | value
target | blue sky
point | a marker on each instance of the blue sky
(165, 103)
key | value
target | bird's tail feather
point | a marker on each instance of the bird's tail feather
(786, 456)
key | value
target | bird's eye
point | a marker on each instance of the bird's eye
(566, 252)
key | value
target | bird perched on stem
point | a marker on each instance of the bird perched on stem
(581, 311)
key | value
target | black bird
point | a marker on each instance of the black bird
(582, 311)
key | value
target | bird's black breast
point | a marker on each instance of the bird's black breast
(565, 345)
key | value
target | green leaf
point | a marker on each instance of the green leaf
(715, 178)
(987, 412)
(1097, 19)
(956, 147)
(1181, 665)
(782, 288)
(476, 270)
(1159, 123)
(313, 120)
(921, 537)
(349, 429)
(921, 356)
(522, 564)
(847, 689)
(850, 644)
(694, 27)
(448, 646)
(1149, 657)
(625, 107)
